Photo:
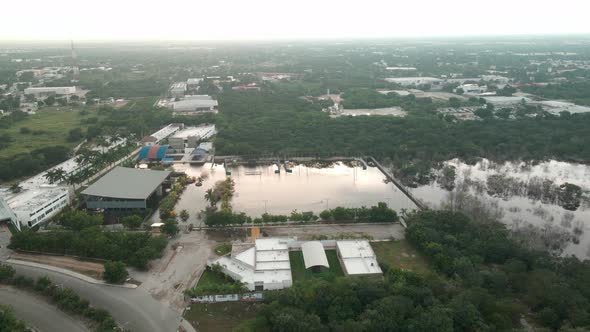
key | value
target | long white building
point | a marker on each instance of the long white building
(51, 91)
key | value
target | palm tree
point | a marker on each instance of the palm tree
(210, 196)
(55, 175)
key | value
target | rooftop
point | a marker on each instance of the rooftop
(127, 183)
(358, 257)
(314, 254)
(203, 132)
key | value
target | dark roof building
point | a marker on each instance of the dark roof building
(125, 188)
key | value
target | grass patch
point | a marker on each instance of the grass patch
(400, 254)
(299, 272)
(209, 278)
(52, 125)
(215, 283)
(224, 316)
(223, 249)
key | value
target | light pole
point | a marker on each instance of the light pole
(265, 201)
(327, 205)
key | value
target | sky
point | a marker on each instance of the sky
(286, 19)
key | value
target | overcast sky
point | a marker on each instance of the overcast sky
(285, 19)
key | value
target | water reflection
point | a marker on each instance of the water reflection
(260, 189)
(518, 211)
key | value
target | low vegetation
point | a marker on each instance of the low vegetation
(299, 271)
(215, 282)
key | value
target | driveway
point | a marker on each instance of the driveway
(134, 309)
(38, 313)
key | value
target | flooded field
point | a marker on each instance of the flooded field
(259, 189)
(517, 207)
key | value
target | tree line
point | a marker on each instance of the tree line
(133, 248)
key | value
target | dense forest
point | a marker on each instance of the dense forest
(483, 281)
(263, 124)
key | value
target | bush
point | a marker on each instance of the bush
(115, 272)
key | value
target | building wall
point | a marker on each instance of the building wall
(122, 204)
(43, 214)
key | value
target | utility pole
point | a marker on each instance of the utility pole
(265, 201)
(327, 201)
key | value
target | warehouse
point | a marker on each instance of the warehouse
(357, 258)
(34, 206)
(40, 92)
(196, 104)
(125, 188)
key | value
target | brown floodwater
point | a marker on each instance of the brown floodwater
(260, 189)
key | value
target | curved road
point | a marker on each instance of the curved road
(134, 309)
(38, 313)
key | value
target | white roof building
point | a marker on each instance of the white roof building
(202, 132)
(357, 258)
(263, 267)
(405, 81)
(58, 90)
(314, 254)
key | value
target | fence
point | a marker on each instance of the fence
(246, 297)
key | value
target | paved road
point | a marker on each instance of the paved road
(38, 313)
(134, 309)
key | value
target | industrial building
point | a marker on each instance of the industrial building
(153, 153)
(357, 258)
(41, 92)
(195, 104)
(201, 153)
(35, 206)
(407, 81)
(189, 137)
(125, 188)
(178, 89)
(265, 266)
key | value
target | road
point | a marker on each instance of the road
(134, 309)
(38, 313)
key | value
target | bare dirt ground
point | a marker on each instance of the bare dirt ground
(91, 269)
(178, 269)
(377, 232)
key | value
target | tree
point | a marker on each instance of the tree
(75, 135)
(55, 175)
(115, 272)
(49, 101)
(184, 215)
(6, 272)
(77, 220)
(133, 221)
(9, 322)
(170, 227)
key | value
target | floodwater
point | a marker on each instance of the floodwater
(519, 210)
(259, 189)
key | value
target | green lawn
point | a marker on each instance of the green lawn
(400, 254)
(211, 278)
(55, 122)
(225, 316)
(223, 249)
(299, 272)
